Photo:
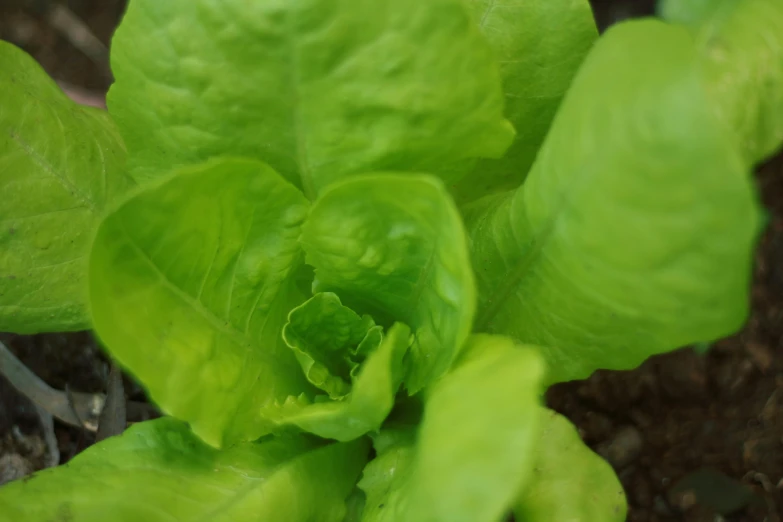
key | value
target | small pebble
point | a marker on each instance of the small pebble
(13, 466)
(660, 507)
(641, 493)
(624, 448)
(760, 355)
(731, 377)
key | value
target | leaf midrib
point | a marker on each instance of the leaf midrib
(211, 318)
(490, 7)
(508, 283)
(72, 189)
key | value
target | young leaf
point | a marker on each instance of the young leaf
(569, 481)
(474, 449)
(319, 89)
(326, 336)
(190, 287)
(158, 471)
(741, 53)
(634, 232)
(59, 165)
(394, 243)
(369, 403)
(540, 44)
(385, 478)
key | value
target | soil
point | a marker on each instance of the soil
(693, 436)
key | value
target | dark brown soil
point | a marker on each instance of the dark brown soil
(691, 436)
(61, 360)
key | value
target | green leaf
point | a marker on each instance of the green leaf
(59, 165)
(474, 450)
(393, 245)
(741, 53)
(385, 479)
(634, 233)
(691, 12)
(158, 471)
(326, 337)
(190, 285)
(569, 481)
(364, 409)
(540, 45)
(354, 505)
(319, 89)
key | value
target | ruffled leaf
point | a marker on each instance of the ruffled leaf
(364, 409)
(393, 246)
(327, 338)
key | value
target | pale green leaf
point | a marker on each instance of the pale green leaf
(474, 450)
(740, 45)
(691, 12)
(190, 286)
(386, 477)
(540, 45)
(319, 89)
(364, 409)
(634, 233)
(59, 166)
(569, 482)
(159, 471)
(326, 337)
(393, 245)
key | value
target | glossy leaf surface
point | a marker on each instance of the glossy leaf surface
(540, 45)
(318, 89)
(159, 471)
(190, 286)
(633, 234)
(60, 164)
(474, 450)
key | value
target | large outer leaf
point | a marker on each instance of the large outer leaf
(395, 243)
(158, 471)
(474, 449)
(59, 165)
(633, 234)
(319, 89)
(190, 287)
(741, 48)
(569, 481)
(365, 408)
(540, 44)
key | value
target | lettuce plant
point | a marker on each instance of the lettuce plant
(345, 246)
